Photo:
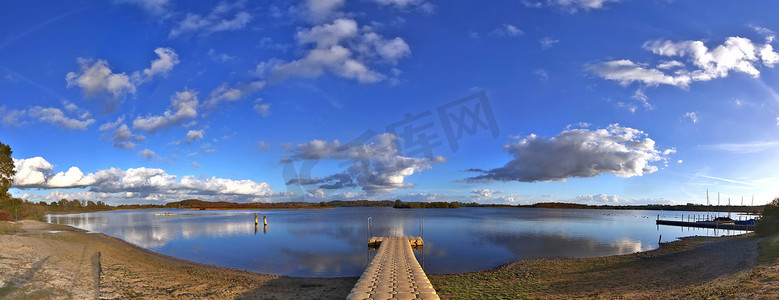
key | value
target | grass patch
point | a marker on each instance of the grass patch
(9, 228)
(769, 249)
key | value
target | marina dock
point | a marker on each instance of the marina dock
(394, 273)
(714, 225)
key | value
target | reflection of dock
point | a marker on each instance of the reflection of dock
(394, 272)
(715, 225)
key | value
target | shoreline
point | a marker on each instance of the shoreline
(33, 256)
(746, 210)
(111, 268)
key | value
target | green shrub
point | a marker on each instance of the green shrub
(769, 222)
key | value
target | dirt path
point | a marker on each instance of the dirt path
(45, 261)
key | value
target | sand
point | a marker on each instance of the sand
(46, 261)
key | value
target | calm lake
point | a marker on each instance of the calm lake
(333, 242)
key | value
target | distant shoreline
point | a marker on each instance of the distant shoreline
(194, 204)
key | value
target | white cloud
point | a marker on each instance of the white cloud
(153, 7)
(162, 65)
(749, 147)
(339, 48)
(224, 17)
(12, 117)
(736, 54)
(194, 164)
(96, 78)
(194, 135)
(72, 178)
(147, 154)
(626, 72)
(729, 180)
(70, 107)
(122, 136)
(328, 35)
(542, 74)
(569, 126)
(31, 172)
(376, 167)
(225, 93)
(692, 116)
(641, 97)
(597, 199)
(507, 30)
(215, 185)
(336, 59)
(400, 3)
(571, 6)
(670, 64)
(262, 108)
(389, 50)
(622, 151)
(110, 125)
(485, 193)
(57, 117)
(219, 57)
(548, 42)
(184, 106)
(36, 172)
(263, 146)
(322, 10)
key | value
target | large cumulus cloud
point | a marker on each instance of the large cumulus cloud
(147, 183)
(375, 167)
(622, 151)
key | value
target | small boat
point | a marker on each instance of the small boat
(723, 220)
(745, 222)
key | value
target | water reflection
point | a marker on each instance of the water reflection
(332, 242)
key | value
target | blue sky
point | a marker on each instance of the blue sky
(587, 101)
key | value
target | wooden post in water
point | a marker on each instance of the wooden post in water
(265, 220)
(420, 226)
(256, 220)
(368, 228)
(659, 239)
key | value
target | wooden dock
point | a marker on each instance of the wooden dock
(394, 272)
(707, 225)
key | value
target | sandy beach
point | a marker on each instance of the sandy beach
(46, 261)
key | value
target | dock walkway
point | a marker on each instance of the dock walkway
(707, 225)
(394, 273)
